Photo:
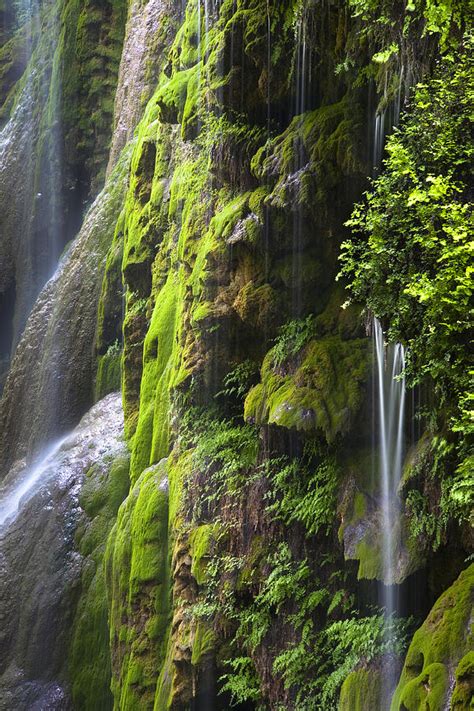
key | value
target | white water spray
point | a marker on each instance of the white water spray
(10, 503)
(97, 434)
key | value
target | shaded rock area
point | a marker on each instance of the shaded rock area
(54, 141)
(41, 566)
(50, 383)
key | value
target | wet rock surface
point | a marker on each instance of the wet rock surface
(50, 383)
(40, 567)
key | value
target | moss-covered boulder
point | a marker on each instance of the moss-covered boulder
(362, 691)
(437, 673)
(102, 493)
(320, 389)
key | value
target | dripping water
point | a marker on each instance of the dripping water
(390, 387)
(301, 81)
(384, 122)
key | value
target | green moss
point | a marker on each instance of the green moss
(108, 374)
(201, 541)
(89, 655)
(86, 72)
(258, 306)
(370, 557)
(464, 690)
(361, 691)
(109, 314)
(437, 647)
(317, 143)
(203, 643)
(151, 440)
(137, 571)
(322, 390)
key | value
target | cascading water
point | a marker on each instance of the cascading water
(385, 121)
(23, 489)
(390, 391)
(31, 176)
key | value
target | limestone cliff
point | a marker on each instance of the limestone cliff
(237, 560)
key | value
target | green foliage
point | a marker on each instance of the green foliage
(298, 494)
(293, 336)
(315, 660)
(238, 381)
(410, 256)
(242, 682)
(225, 452)
(438, 16)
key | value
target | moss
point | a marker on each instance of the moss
(437, 647)
(151, 439)
(322, 390)
(318, 143)
(201, 541)
(258, 306)
(256, 556)
(361, 691)
(109, 315)
(203, 643)
(370, 557)
(108, 374)
(89, 655)
(89, 51)
(13, 55)
(464, 689)
(138, 589)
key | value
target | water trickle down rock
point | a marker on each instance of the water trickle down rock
(50, 383)
(40, 567)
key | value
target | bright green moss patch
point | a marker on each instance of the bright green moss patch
(200, 541)
(138, 590)
(361, 691)
(159, 369)
(89, 656)
(322, 390)
(444, 638)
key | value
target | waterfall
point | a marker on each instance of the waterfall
(386, 120)
(390, 387)
(31, 174)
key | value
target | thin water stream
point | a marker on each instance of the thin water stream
(390, 392)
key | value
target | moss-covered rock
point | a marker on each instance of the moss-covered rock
(89, 656)
(137, 570)
(321, 389)
(436, 672)
(361, 691)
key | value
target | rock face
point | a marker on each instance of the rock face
(227, 552)
(54, 144)
(50, 383)
(148, 33)
(438, 668)
(41, 566)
